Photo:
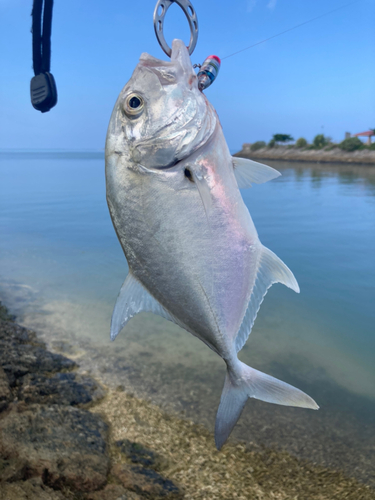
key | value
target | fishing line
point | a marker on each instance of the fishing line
(293, 28)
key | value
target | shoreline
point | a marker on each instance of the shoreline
(185, 454)
(285, 153)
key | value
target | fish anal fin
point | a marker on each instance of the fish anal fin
(271, 270)
(133, 299)
(248, 171)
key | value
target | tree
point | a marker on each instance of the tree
(257, 145)
(282, 138)
(301, 142)
(320, 141)
(351, 144)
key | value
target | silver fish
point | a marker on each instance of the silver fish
(193, 251)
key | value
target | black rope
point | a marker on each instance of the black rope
(36, 30)
(46, 38)
(42, 87)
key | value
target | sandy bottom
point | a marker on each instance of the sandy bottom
(238, 471)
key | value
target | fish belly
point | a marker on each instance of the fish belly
(199, 264)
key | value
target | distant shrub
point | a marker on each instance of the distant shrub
(271, 144)
(372, 146)
(301, 142)
(351, 144)
(257, 145)
(320, 141)
(282, 138)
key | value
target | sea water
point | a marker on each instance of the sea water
(61, 268)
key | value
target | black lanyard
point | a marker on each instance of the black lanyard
(43, 90)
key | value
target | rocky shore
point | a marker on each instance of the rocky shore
(65, 436)
(325, 155)
(51, 446)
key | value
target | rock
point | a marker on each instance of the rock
(29, 490)
(139, 454)
(146, 482)
(4, 314)
(113, 492)
(63, 445)
(19, 357)
(5, 393)
(11, 332)
(62, 388)
(14, 469)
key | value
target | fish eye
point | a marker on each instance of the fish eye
(133, 105)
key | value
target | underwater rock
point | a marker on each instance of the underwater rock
(146, 482)
(63, 445)
(18, 357)
(62, 389)
(11, 332)
(5, 393)
(139, 454)
(14, 469)
(4, 314)
(34, 489)
(113, 492)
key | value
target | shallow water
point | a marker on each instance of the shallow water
(61, 268)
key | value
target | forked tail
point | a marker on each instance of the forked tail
(246, 382)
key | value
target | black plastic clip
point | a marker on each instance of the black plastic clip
(43, 92)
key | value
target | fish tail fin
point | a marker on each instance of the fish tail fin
(246, 382)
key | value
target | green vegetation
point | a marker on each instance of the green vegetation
(320, 141)
(282, 138)
(301, 143)
(257, 145)
(351, 144)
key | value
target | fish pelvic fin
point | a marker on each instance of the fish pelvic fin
(246, 382)
(133, 299)
(248, 172)
(271, 270)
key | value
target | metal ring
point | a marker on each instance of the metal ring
(191, 16)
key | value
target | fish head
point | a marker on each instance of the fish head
(160, 116)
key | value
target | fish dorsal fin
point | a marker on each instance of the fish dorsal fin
(133, 299)
(271, 270)
(248, 171)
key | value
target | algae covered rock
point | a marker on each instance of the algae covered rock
(63, 445)
(61, 388)
(5, 393)
(21, 353)
(34, 489)
(146, 482)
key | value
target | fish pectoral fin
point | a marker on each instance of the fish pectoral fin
(250, 383)
(249, 171)
(271, 270)
(133, 299)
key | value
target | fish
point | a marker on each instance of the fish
(194, 255)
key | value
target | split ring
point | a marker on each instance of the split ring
(189, 11)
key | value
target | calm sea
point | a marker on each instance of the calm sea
(61, 268)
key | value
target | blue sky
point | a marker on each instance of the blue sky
(317, 78)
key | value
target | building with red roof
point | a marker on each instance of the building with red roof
(368, 134)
